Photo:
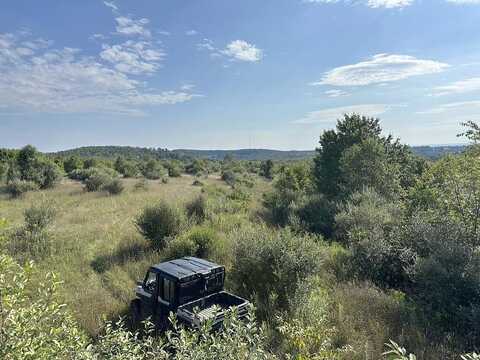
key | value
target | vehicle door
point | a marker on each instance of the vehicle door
(148, 295)
(166, 297)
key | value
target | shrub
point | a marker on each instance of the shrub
(17, 188)
(366, 223)
(229, 177)
(204, 239)
(141, 185)
(174, 170)
(33, 238)
(97, 181)
(159, 222)
(153, 170)
(50, 175)
(72, 163)
(197, 209)
(180, 247)
(32, 314)
(39, 217)
(81, 174)
(317, 215)
(114, 187)
(197, 182)
(268, 265)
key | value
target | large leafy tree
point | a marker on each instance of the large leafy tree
(351, 130)
(356, 155)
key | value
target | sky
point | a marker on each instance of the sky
(226, 74)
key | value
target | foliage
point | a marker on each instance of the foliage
(127, 168)
(33, 238)
(197, 209)
(267, 266)
(316, 214)
(17, 188)
(97, 181)
(229, 177)
(473, 131)
(309, 333)
(396, 352)
(153, 170)
(356, 141)
(266, 169)
(289, 190)
(366, 164)
(196, 167)
(33, 323)
(72, 163)
(450, 189)
(365, 223)
(114, 187)
(159, 222)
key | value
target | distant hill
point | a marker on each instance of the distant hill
(248, 154)
(111, 152)
(435, 152)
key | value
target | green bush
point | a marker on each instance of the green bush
(197, 209)
(197, 182)
(33, 238)
(141, 185)
(179, 247)
(159, 222)
(268, 265)
(153, 170)
(204, 238)
(114, 187)
(229, 177)
(17, 188)
(97, 181)
(39, 217)
(317, 215)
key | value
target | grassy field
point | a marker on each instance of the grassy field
(97, 251)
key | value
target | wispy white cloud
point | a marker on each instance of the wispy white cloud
(464, 2)
(206, 44)
(375, 4)
(380, 68)
(191, 32)
(130, 27)
(336, 93)
(237, 50)
(243, 51)
(133, 57)
(330, 115)
(111, 5)
(64, 80)
(458, 87)
(461, 108)
(187, 87)
(387, 4)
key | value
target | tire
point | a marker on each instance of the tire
(135, 313)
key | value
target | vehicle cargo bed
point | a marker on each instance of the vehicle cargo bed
(213, 306)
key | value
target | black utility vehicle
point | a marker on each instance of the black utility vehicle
(190, 287)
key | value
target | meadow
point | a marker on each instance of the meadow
(97, 251)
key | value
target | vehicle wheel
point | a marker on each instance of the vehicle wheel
(135, 313)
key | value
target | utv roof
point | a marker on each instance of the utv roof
(188, 267)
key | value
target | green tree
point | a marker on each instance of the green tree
(366, 164)
(350, 130)
(266, 169)
(72, 163)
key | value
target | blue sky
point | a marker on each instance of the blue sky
(234, 74)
